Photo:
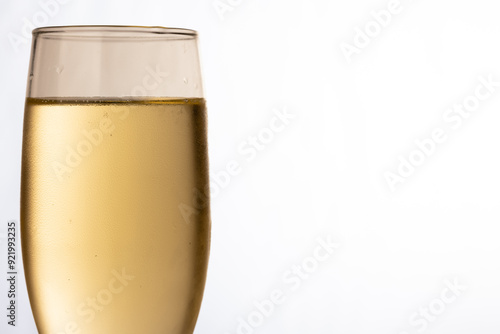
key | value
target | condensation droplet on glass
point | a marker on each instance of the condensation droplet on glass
(185, 80)
(59, 69)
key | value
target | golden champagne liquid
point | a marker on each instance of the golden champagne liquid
(106, 246)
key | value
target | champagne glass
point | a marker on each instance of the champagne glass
(115, 218)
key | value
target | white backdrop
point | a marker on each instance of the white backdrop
(373, 208)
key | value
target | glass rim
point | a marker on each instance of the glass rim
(113, 31)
